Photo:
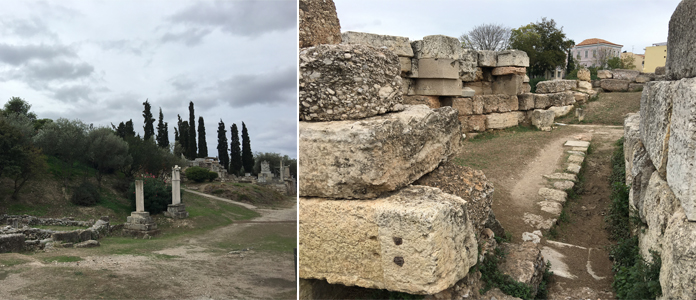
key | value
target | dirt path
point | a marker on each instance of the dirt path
(232, 262)
(246, 205)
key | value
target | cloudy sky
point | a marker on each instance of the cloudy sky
(98, 61)
(636, 24)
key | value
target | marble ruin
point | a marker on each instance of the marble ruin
(139, 223)
(176, 210)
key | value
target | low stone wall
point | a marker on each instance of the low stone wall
(26, 220)
(17, 236)
(619, 80)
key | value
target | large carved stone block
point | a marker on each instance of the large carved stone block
(555, 86)
(678, 271)
(655, 118)
(503, 120)
(508, 85)
(438, 87)
(614, 85)
(622, 74)
(659, 204)
(681, 39)
(401, 46)
(435, 68)
(318, 23)
(419, 240)
(516, 58)
(497, 103)
(364, 159)
(681, 155)
(437, 46)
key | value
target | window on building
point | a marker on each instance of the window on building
(585, 53)
(558, 73)
(594, 53)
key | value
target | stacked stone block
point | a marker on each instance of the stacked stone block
(619, 80)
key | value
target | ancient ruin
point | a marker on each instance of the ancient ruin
(176, 210)
(18, 235)
(139, 223)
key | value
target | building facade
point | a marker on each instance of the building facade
(638, 60)
(655, 56)
(595, 52)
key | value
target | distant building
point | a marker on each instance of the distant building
(655, 56)
(638, 60)
(595, 52)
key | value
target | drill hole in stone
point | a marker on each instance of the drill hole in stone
(398, 241)
(399, 261)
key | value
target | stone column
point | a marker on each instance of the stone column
(176, 185)
(139, 196)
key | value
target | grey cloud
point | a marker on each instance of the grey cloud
(182, 83)
(19, 54)
(190, 37)
(267, 88)
(58, 70)
(26, 28)
(134, 47)
(244, 18)
(73, 93)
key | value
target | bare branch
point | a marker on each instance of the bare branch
(487, 37)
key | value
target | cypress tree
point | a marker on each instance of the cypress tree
(202, 145)
(183, 135)
(222, 146)
(247, 157)
(149, 121)
(235, 151)
(129, 130)
(163, 132)
(191, 149)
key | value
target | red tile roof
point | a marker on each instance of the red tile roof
(596, 41)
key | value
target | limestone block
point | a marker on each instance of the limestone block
(563, 185)
(435, 68)
(614, 85)
(473, 123)
(11, 243)
(555, 86)
(318, 23)
(88, 244)
(584, 85)
(635, 87)
(573, 168)
(560, 111)
(503, 120)
(418, 240)
(681, 161)
(659, 204)
(397, 44)
(645, 77)
(542, 119)
(497, 103)
(407, 87)
(507, 84)
(487, 58)
(524, 263)
(553, 195)
(584, 75)
(430, 101)
(681, 39)
(596, 84)
(66, 236)
(604, 74)
(463, 105)
(468, 65)
(581, 97)
(468, 92)
(405, 63)
(479, 87)
(678, 271)
(437, 46)
(655, 118)
(538, 221)
(631, 137)
(641, 171)
(551, 207)
(660, 71)
(530, 237)
(526, 79)
(515, 58)
(499, 71)
(622, 74)
(364, 159)
(438, 87)
(526, 88)
(346, 82)
(574, 144)
(577, 159)
(542, 101)
(561, 176)
(526, 101)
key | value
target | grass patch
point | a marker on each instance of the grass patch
(59, 228)
(267, 237)
(61, 259)
(606, 109)
(13, 262)
(27, 209)
(120, 206)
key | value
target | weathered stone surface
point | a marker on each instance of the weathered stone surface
(614, 85)
(660, 71)
(515, 58)
(437, 46)
(681, 161)
(408, 86)
(524, 263)
(584, 85)
(572, 143)
(553, 195)
(555, 86)
(342, 82)
(419, 240)
(544, 101)
(678, 271)
(631, 137)
(641, 170)
(561, 176)
(11, 243)
(530, 237)
(551, 207)
(526, 88)
(479, 87)
(405, 63)
(538, 221)
(635, 87)
(438, 87)
(366, 158)
(526, 101)
(581, 97)
(596, 84)
(87, 244)
(577, 159)
(622, 74)
(526, 79)
(563, 185)
(573, 168)
(560, 111)
(542, 119)
(508, 85)
(655, 118)
(430, 101)
(604, 74)
(659, 204)
(497, 103)
(503, 120)
(681, 39)
(435, 68)
(584, 75)
(468, 65)
(66, 236)
(645, 77)
(487, 58)
(401, 46)
(473, 123)
(318, 23)
(499, 71)
(468, 92)
(463, 105)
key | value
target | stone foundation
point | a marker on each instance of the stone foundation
(140, 224)
(176, 211)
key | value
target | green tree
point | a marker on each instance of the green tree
(162, 132)
(192, 151)
(223, 155)
(32, 163)
(247, 156)
(20, 160)
(149, 121)
(66, 140)
(202, 144)
(544, 43)
(570, 66)
(147, 157)
(235, 151)
(17, 105)
(614, 63)
(183, 136)
(106, 152)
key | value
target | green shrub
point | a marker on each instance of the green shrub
(86, 194)
(492, 277)
(157, 194)
(197, 174)
(212, 176)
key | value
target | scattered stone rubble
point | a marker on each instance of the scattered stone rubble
(17, 236)
(619, 80)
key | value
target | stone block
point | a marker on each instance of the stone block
(364, 159)
(85, 235)
(681, 155)
(438, 87)
(584, 75)
(526, 88)
(437, 46)
(542, 119)
(655, 119)
(516, 58)
(176, 211)
(468, 65)
(503, 120)
(435, 68)
(405, 63)
(318, 23)
(678, 270)
(524, 263)
(645, 77)
(407, 88)
(418, 240)
(659, 204)
(66, 236)
(473, 123)
(468, 92)
(596, 84)
(604, 74)
(552, 207)
(631, 137)
(660, 71)
(614, 85)
(581, 97)
(87, 244)
(635, 87)
(463, 105)
(401, 46)
(560, 111)
(555, 86)
(347, 82)
(681, 39)
(561, 176)
(542, 101)
(11, 243)
(553, 195)
(497, 103)
(563, 185)
(622, 74)
(507, 84)
(584, 85)
(499, 71)
(573, 168)
(526, 79)
(430, 101)
(479, 87)
(487, 58)
(526, 101)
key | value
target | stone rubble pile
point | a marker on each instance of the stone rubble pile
(17, 237)
(660, 153)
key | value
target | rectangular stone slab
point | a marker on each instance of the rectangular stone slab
(366, 158)
(419, 240)
(681, 161)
